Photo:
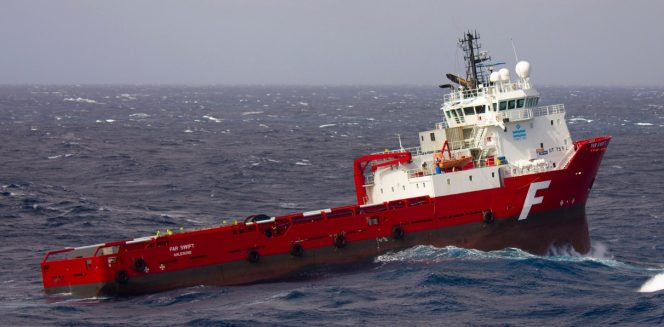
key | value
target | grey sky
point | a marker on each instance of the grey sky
(324, 42)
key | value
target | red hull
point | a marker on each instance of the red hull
(248, 253)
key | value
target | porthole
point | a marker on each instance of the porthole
(470, 178)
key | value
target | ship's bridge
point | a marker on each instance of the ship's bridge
(491, 105)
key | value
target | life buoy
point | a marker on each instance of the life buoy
(340, 241)
(122, 277)
(297, 250)
(139, 265)
(488, 217)
(253, 256)
(398, 233)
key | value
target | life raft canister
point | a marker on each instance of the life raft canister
(340, 241)
(297, 250)
(253, 256)
(398, 232)
(139, 265)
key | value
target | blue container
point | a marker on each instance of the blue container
(438, 171)
(502, 159)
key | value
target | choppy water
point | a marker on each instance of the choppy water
(83, 165)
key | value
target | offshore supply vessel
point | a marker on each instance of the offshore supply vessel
(499, 171)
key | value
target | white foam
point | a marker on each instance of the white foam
(263, 125)
(126, 96)
(327, 125)
(654, 284)
(303, 163)
(139, 115)
(246, 113)
(188, 130)
(81, 100)
(216, 120)
(581, 119)
(110, 120)
(643, 124)
(304, 104)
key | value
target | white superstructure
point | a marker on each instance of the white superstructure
(496, 125)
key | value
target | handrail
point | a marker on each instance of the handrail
(567, 158)
(549, 110)
(109, 244)
(48, 254)
(483, 90)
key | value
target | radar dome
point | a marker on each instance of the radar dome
(523, 69)
(504, 74)
(494, 77)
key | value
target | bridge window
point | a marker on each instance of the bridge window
(468, 111)
(432, 136)
(459, 112)
(495, 105)
(448, 114)
(535, 101)
(503, 105)
(511, 104)
(479, 109)
(520, 102)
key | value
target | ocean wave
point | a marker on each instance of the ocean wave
(139, 115)
(81, 100)
(246, 113)
(429, 254)
(580, 119)
(216, 120)
(654, 284)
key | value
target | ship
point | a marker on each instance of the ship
(497, 171)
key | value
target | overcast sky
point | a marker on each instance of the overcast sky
(324, 42)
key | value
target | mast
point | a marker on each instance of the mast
(473, 56)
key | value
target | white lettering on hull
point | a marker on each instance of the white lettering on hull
(531, 199)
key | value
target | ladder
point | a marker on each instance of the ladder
(478, 140)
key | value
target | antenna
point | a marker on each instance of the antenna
(514, 48)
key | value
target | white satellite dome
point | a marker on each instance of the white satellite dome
(494, 77)
(522, 69)
(504, 74)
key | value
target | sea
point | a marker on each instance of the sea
(83, 165)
